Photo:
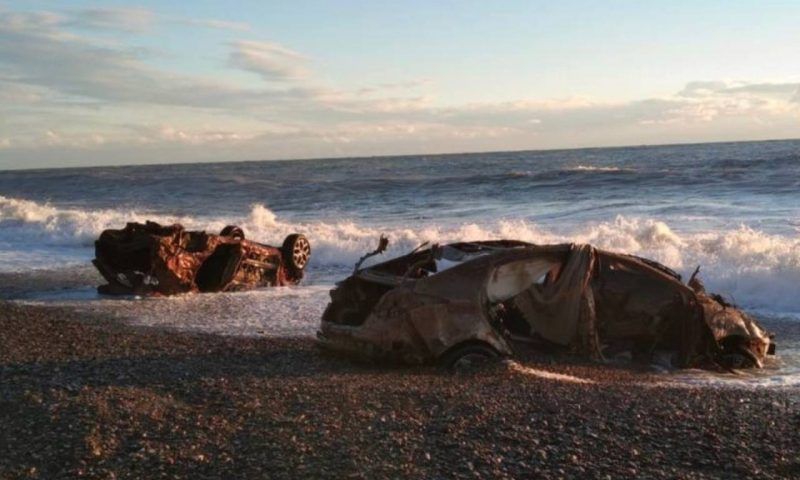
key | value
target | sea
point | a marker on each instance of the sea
(733, 209)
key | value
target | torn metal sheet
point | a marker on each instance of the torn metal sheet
(151, 259)
(495, 293)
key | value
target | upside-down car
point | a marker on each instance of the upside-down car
(151, 259)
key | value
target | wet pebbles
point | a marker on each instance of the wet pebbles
(82, 397)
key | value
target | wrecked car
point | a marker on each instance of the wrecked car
(464, 303)
(151, 259)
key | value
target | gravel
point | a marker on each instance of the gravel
(84, 397)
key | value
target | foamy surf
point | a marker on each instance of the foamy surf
(273, 312)
(755, 269)
(780, 371)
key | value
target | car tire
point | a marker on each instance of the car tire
(469, 357)
(232, 231)
(296, 251)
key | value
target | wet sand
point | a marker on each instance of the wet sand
(86, 397)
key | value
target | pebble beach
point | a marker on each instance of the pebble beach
(85, 397)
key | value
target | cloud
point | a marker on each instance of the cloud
(172, 134)
(702, 88)
(30, 20)
(780, 89)
(64, 89)
(726, 88)
(15, 93)
(387, 86)
(137, 20)
(271, 61)
(117, 19)
(35, 51)
(348, 127)
(56, 139)
(215, 24)
(761, 100)
(38, 53)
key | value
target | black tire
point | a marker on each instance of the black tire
(296, 251)
(232, 231)
(469, 357)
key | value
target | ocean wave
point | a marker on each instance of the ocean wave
(753, 268)
(23, 221)
(594, 168)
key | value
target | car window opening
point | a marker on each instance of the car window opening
(512, 280)
(216, 271)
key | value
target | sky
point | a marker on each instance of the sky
(110, 83)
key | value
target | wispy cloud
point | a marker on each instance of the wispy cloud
(711, 88)
(271, 61)
(389, 86)
(117, 19)
(172, 134)
(62, 87)
(216, 24)
(36, 51)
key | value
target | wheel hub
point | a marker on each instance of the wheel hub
(301, 252)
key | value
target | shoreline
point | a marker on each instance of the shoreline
(82, 396)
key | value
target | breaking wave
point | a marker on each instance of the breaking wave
(593, 168)
(755, 269)
(25, 221)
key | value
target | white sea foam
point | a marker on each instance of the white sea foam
(272, 312)
(781, 371)
(30, 222)
(756, 269)
(596, 168)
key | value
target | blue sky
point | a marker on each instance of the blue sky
(86, 83)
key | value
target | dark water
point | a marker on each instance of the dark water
(733, 208)
(752, 183)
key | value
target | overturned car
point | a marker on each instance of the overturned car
(151, 259)
(466, 302)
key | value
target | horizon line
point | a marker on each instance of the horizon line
(386, 156)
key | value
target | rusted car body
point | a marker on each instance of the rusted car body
(466, 300)
(151, 259)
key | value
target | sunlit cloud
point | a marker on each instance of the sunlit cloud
(35, 52)
(271, 61)
(63, 89)
(728, 88)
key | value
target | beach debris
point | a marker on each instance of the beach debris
(463, 303)
(152, 259)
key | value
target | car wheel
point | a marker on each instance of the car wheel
(296, 251)
(232, 231)
(469, 357)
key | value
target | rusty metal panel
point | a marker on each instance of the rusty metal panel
(151, 259)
